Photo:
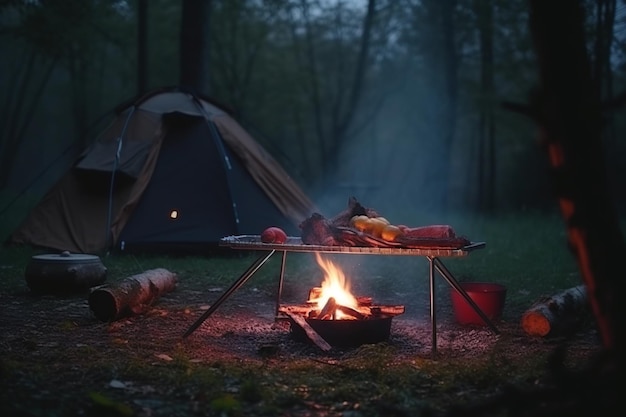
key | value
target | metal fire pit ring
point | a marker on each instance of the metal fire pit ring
(346, 333)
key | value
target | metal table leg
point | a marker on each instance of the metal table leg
(433, 310)
(281, 279)
(445, 273)
(235, 285)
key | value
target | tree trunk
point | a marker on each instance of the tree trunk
(194, 44)
(557, 315)
(486, 156)
(567, 109)
(142, 47)
(131, 296)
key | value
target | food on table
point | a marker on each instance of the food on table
(273, 235)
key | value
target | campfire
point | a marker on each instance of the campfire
(333, 316)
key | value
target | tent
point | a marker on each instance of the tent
(173, 171)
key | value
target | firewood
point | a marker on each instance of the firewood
(387, 310)
(310, 332)
(558, 314)
(132, 296)
(351, 312)
(328, 310)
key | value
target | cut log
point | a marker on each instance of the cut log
(557, 315)
(134, 295)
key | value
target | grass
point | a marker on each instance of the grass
(527, 253)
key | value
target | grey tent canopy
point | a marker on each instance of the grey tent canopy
(172, 170)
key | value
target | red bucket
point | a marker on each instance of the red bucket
(489, 297)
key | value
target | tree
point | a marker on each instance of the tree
(433, 38)
(194, 43)
(142, 46)
(334, 86)
(486, 124)
(568, 111)
(47, 38)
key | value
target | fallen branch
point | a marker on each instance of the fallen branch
(557, 315)
(131, 296)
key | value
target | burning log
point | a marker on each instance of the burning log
(132, 296)
(387, 310)
(365, 311)
(557, 315)
(328, 311)
(351, 312)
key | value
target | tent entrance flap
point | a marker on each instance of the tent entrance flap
(182, 202)
(219, 144)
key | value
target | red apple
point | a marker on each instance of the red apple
(273, 235)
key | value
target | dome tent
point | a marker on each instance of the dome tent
(172, 171)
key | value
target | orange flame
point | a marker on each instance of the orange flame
(334, 285)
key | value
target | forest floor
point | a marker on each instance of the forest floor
(57, 359)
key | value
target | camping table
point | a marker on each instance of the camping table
(294, 244)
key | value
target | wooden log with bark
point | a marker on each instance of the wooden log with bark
(134, 295)
(557, 315)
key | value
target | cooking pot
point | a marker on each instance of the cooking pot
(64, 272)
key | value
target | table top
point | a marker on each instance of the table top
(294, 244)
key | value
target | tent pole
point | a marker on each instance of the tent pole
(120, 140)
(215, 135)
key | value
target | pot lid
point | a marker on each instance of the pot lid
(66, 257)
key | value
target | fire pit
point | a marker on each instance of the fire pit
(335, 316)
(369, 328)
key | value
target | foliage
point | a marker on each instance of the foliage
(286, 68)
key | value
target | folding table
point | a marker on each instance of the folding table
(294, 244)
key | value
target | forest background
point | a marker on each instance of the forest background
(399, 103)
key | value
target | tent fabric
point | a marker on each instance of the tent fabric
(178, 153)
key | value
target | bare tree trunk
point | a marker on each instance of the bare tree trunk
(486, 124)
(567, 110)
(605, 20)
(194, 44)
(603, 78)
(27, 89)
(332, 137)
(142, 46)
(443, 52)
(450, 93)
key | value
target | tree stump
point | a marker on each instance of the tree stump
(131, 296)
(558, 314)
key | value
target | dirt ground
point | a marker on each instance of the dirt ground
(245, 322)
(61, 333)
(47, 342)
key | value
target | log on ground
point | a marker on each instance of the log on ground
(557, 315)
(133, 295)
